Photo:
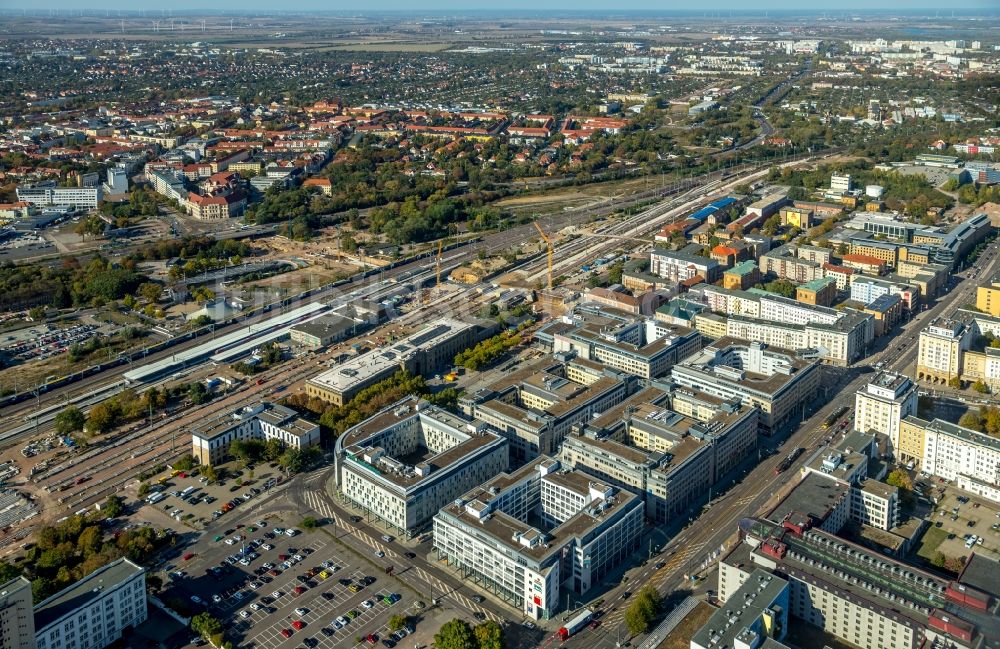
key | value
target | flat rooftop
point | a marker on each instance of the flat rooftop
(740, 611)
(815, 495)
(705, 361)
(385, 359)
(506, 530)
(360, 439)
(82, 593)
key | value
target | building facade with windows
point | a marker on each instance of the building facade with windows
(774, 380)
(883, 403)
(405, 463)
(535, 534)
(210, 442)
(17, 621)
(93, 612)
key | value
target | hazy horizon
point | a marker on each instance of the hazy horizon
(534, 6)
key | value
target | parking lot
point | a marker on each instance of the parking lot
(273, 590)
(189, 498)
(962, 516)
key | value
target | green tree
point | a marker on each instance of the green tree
(103, 417)
(8, 572)
(972, 421)
(643, 611)
(143, 489)
(210, 473)
(207, 626)
(113, 507)
(955, 382)
(781, 287)
(70, 420)
(398, 621)
(489, 635)
(981, 387)
(900, 479)
(635, 621)
(150, 292)
(309, 523)
(455, 634)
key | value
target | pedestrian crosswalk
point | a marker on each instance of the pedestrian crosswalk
(421, 580)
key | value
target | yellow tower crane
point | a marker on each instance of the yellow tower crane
(548, 242)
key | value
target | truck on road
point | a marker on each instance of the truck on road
(574, 625)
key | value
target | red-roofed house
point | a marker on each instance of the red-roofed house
(864, 263)
(213, 208)
(323, 184)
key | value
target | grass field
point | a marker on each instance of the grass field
(680, 637)
(386, 47)
(931, 541)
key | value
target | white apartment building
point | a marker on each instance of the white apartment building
(93, 612)
(405, 463)
(587, 528)
(210, 442)
(876, 504)
(970, 458)
(774, 380)
(883, 402)
(679, 266)
(47, 194)
(837, 344)
(17, 621)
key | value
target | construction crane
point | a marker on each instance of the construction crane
(438, 268)
(548, 242)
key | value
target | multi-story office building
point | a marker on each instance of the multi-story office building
(867, 289)
(858, 595)
(882, 403)
(48, 194)
(17, 622)
(670, 459)
(405, 463)
(940, 349)
(531, 535)
(840, 184)
(839, 343)
(961, 239)
(647, 348)
(969, 458)
(785, 262)
(210, 441)
(885, 251)
(535, 407)
(988, 297)
(93, 612)
(875, 504)
(429, 349)
(755, 616)
(168, 184)
(772, 379)
(679, 266)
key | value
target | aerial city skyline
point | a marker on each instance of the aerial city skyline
(547, 324)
